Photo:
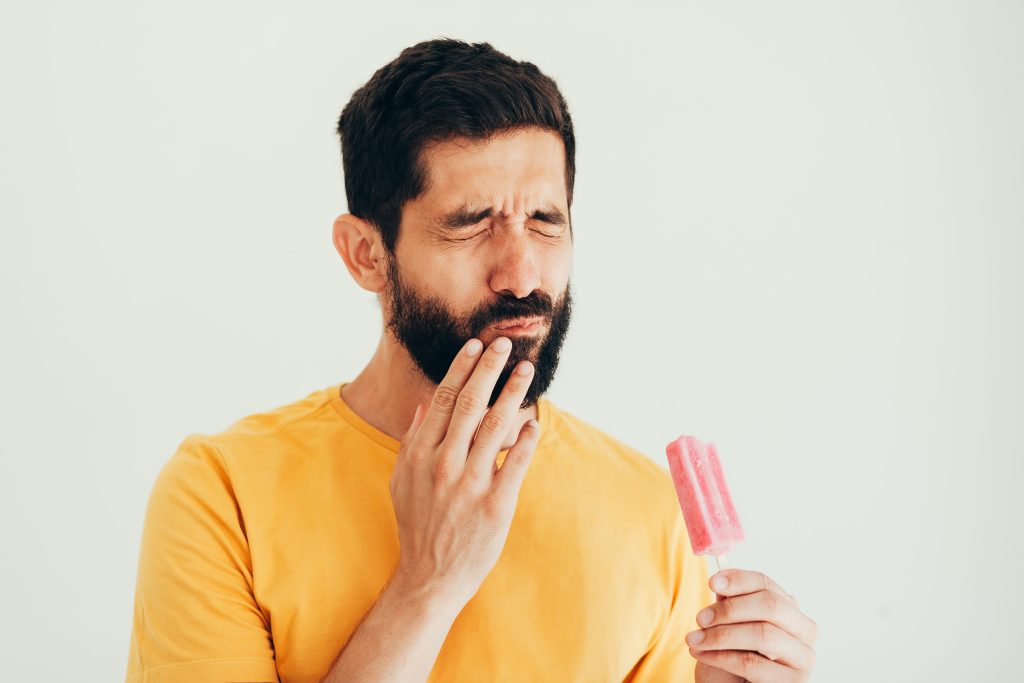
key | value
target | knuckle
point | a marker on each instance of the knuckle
(749, 660)
(445, 396)
(771, 603)
(493, 422)
(766, 633)
(410, 458)
(766, 583)
(467, 402)
(415, 456)
(441, 473)
(473, 479)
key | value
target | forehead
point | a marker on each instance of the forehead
(526, 166)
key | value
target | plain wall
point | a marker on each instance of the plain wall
(798, 234)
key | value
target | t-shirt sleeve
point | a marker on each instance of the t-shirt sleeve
(668, 658)
(196, 618)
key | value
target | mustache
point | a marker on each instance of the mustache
(509, 308)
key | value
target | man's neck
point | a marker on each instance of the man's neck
(386, 392)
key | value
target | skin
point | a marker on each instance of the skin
(754, 632)
(453, 505)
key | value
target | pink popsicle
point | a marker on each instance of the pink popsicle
(711, 519)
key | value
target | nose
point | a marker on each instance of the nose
(516, 269)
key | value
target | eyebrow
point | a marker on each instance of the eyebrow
(465, 216)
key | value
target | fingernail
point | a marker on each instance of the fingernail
(719, 583)
(694, 637)
(524, 368)
(473, 347)
(502, 344)
(705, 616)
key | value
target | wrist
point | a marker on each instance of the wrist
(425, 595)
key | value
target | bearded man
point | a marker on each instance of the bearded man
(436, 518)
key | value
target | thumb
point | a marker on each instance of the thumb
(402, 443)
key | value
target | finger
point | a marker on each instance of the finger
(414, 425)
(761, 636)
(509, 478)
(417, 420)
(442, 404)
(472, 400)
(761, 606)
(410, 432)
(750, 666)
(743, 581)
(496, 423)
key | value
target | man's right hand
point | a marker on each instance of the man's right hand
(454, 508)
(453, 504)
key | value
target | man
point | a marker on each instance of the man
(436, 518)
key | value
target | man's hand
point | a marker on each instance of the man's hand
(753, 632)
(454, 508)
(452, 503)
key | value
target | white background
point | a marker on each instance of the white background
(798, 234)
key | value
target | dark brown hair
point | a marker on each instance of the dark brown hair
(437, 90)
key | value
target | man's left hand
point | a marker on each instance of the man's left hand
(753, 632)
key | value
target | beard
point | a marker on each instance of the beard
(433, 335)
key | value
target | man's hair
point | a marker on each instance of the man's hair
(437, 90)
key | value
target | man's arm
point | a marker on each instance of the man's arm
(196, 617)
(398, 639)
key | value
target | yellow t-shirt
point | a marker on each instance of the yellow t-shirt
(264, 545)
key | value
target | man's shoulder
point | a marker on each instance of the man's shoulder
(275, 430)
(310, 410)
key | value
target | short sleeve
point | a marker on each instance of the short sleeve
(196, 619)
(668, 658)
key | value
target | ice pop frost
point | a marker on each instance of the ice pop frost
(711, 519)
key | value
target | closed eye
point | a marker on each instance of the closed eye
(466, 239)
(546, 234)
(542, 233)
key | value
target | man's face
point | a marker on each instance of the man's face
(486, 244)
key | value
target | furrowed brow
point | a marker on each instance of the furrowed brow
(465, 216)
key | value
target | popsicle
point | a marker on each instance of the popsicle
(710, 516)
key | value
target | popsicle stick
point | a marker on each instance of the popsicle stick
(719, 566)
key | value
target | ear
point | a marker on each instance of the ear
(358, 243)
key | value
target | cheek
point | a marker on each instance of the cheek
(460, 279)
(557, 267)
